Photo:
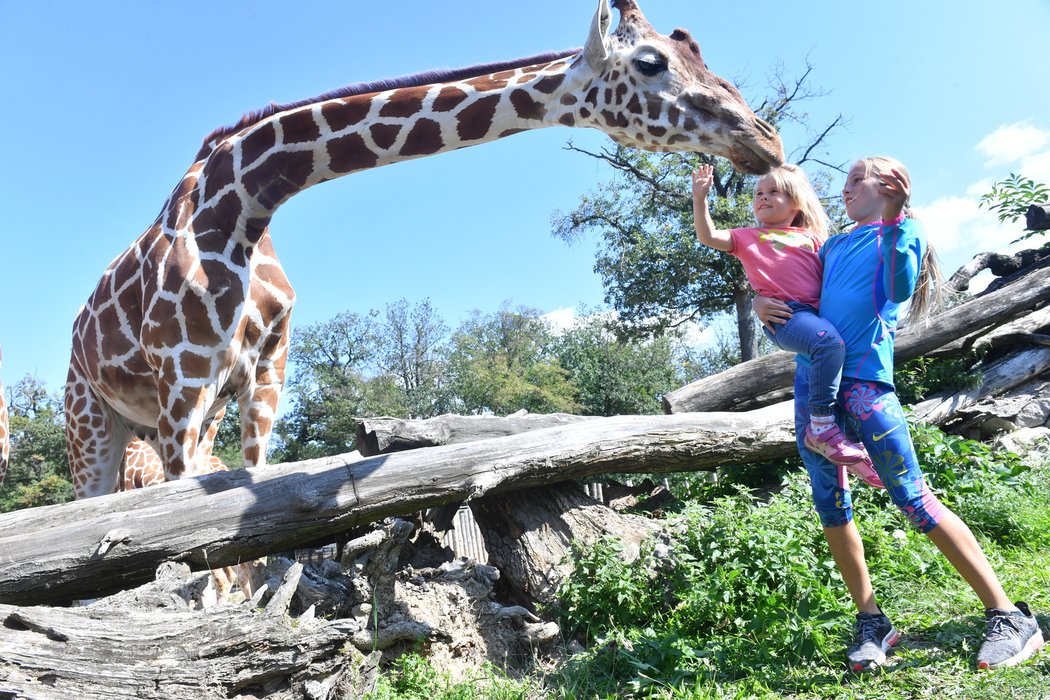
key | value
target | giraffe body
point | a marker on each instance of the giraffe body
(197, 310)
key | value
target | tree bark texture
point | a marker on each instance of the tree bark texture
(766, 380)
(529, 534)
(385, 435)
(167, 651)
(96, 546)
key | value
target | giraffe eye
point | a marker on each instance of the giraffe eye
(650, 64)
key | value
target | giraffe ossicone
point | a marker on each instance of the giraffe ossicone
(197, 310)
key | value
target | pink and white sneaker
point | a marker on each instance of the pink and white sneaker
(833, 444)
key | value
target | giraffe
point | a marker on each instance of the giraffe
(5, 433)
(142, 467)
(196, 311)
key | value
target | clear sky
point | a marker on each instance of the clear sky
(103, 105)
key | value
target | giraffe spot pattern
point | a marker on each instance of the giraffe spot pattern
(525, 105)
(343, 114)
(299, 127)
(257, 143)
(384, 135)
(423, 139)
(475, 119)
(448, 98)
(350, 153)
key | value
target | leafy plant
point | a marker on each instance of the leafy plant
(1010, 199)
(413, 677)
(920, 378)
(958, 467)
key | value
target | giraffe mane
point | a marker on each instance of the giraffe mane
(414, 80)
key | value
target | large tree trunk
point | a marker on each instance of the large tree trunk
(768, 379)
(98, 545)
(529, 535)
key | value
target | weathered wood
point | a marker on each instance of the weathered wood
(999, 377)
(384, 435)
(529, 535)
(1016, 332)
(166, 651)
(764, 380)
(92, 547)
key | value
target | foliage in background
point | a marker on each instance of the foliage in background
(38, 471)
(613, 377)
(920, 378)
(413, 677)
(1010, 199)
(504, 362)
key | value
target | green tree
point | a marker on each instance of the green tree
(329, 387)
(38, 472)
(619, 377)
(411, 350)
(1010, 199)
(504, 362)
(353, 366)
(656, 275)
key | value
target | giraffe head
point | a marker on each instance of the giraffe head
(654, 92)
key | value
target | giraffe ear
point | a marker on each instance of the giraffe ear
(596, 51)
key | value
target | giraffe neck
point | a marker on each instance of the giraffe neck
(246, 176)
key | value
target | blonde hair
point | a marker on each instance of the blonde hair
(792, 181)
(927, 296)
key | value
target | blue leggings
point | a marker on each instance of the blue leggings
(873, 413)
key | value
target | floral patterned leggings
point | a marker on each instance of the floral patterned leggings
(873, 413)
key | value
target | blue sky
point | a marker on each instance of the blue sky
(104, 105)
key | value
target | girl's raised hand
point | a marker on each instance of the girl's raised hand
(703, 178)
(893, 188)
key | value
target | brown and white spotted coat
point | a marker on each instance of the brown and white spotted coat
(197, 310)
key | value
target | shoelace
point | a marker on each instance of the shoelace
(868, 629)
(994, 632)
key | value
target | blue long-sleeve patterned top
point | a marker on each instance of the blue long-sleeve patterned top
(868, 273)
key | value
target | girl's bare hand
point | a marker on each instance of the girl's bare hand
(771, 312)
(703, 178)
(895, 191)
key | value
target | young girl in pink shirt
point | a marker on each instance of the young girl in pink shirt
(780, 260)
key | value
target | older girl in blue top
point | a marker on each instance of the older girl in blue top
(869, 272)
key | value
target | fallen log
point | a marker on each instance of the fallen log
(1016, 332)
(765, 380)
(384, 435)
(96, 546)
(999, 377)
(171, 652)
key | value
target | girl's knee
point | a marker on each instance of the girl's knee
(923, 510)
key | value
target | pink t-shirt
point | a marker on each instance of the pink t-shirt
(781, 263)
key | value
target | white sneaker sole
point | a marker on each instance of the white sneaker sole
(1034, 644)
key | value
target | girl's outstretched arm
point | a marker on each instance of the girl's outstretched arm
(706, 233)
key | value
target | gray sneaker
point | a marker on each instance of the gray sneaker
(873, 635)
(1009, 638)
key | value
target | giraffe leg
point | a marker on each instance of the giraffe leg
(258, 412)
(179, 429)
(95, 439)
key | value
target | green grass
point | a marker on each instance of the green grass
(742, 599)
